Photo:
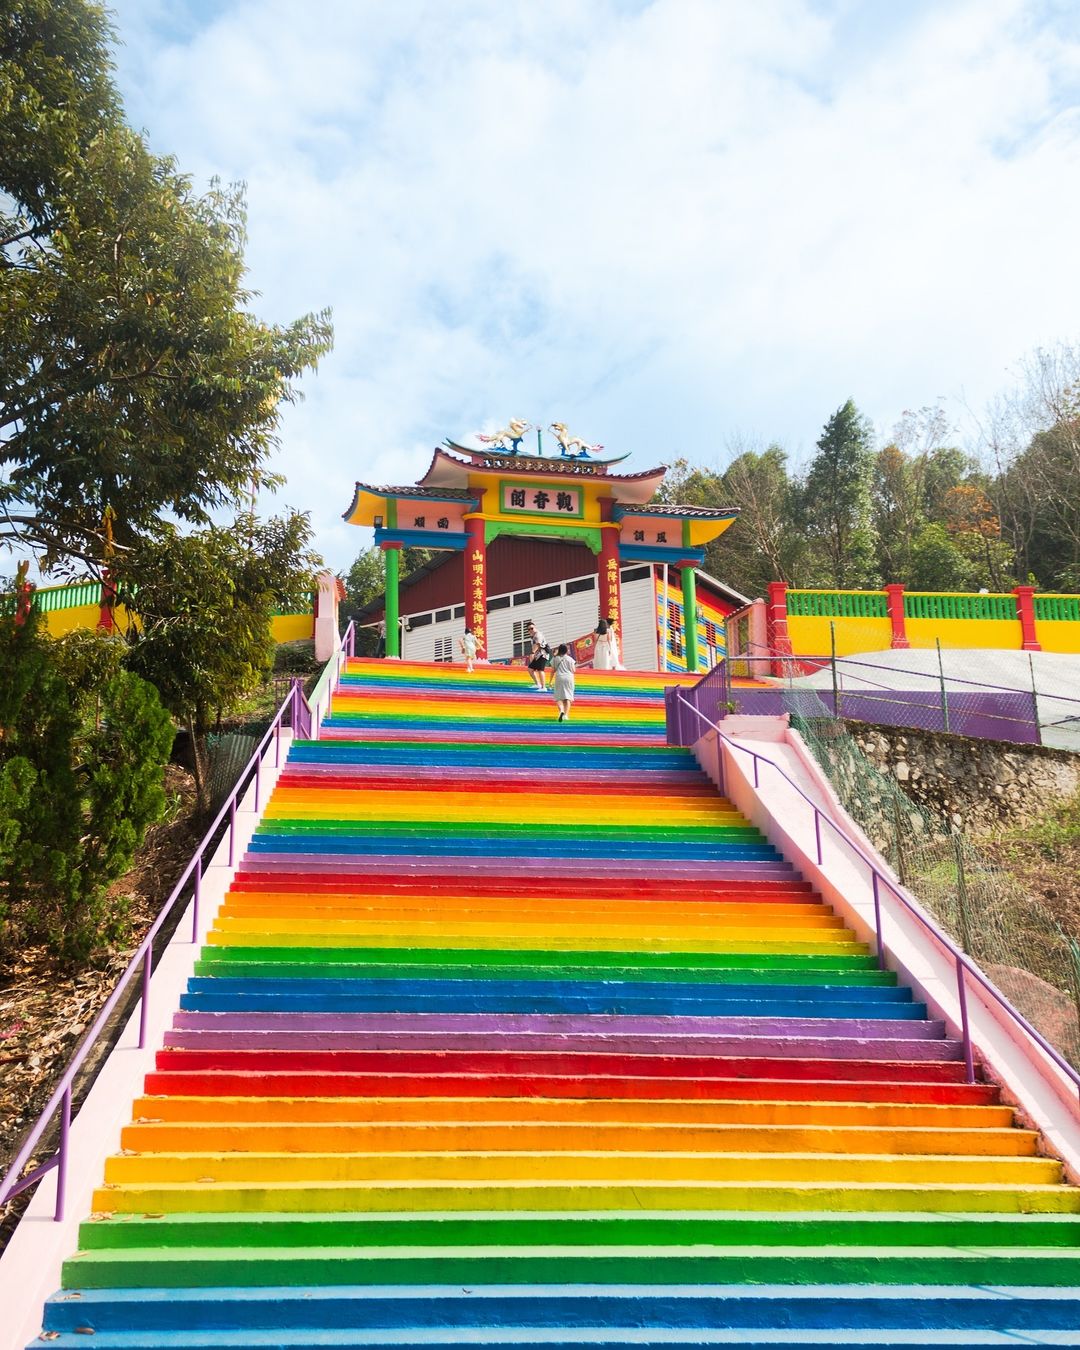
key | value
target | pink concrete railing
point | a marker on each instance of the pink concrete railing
(964, 966)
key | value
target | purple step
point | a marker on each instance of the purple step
(797, 1043)
(691, 781)
(484, 1023)
(849, 1038)
(451, 864)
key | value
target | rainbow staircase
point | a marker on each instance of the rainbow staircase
(513, 1033)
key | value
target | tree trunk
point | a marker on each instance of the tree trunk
(200, 763)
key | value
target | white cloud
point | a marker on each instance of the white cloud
(662, 221)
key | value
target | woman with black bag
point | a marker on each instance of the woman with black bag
(538, 657)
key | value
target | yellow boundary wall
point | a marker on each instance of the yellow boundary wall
(810, 634)
(861, 621)
(61, 618)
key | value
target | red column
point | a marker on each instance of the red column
(779, 638)
(476, 583)
(106, 620)
(610, 591)
(1025, 611)
(894, 599)
(24, 594)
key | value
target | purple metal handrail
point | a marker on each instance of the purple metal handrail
(303, 725)
(964, 965)
(12, 1184)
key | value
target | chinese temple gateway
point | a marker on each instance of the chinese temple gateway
(561, 541)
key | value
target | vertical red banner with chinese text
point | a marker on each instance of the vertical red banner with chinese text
(610, 593)
(476, 584)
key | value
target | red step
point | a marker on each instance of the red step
(383, 883)
(556, 1063)
(220, 1084)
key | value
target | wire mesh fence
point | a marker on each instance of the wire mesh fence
(1025, 697)
(985, 908)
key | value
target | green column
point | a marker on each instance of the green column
(393, 628)
(689, 610)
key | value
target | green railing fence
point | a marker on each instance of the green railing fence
(1057, 607)
(936, 605)
(837, 604)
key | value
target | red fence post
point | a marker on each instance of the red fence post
(1025, 612)
(779, 638)
(894, 599)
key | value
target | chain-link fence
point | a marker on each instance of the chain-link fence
(1025, 697)
(984, 908)
(230, 754)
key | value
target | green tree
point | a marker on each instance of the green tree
(897, 512)
(205, 603)
(1042, 488)
(761, 546)
(1032, 436)
(83, 745)
(132, 376)
(56, 95)
(941, 470)
(971, 520)
(364, 582)
(938, 564)
(836, 502)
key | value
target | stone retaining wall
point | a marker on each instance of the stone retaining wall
(975, 783)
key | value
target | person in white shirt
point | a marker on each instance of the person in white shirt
(563, 684)
(468, 648)
(538, 657)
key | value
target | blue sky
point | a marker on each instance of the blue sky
(679, 226)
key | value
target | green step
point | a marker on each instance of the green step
(508, 830)
(643, 1265)
(749, 967)
(223, 966)
(536, 1228)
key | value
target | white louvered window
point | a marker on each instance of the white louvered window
(522, 641)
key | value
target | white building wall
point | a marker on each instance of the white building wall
(561, 617)
(639, 624)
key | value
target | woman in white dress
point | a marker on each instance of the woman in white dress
(606, 654)
(613, 643)
(602, 647)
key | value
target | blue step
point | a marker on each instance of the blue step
(412, 845)
(499, 999)
(824, 1309)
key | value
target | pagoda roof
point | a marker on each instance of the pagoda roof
(411, 491)
(447, 470)
(673, 511)
(444, 494)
